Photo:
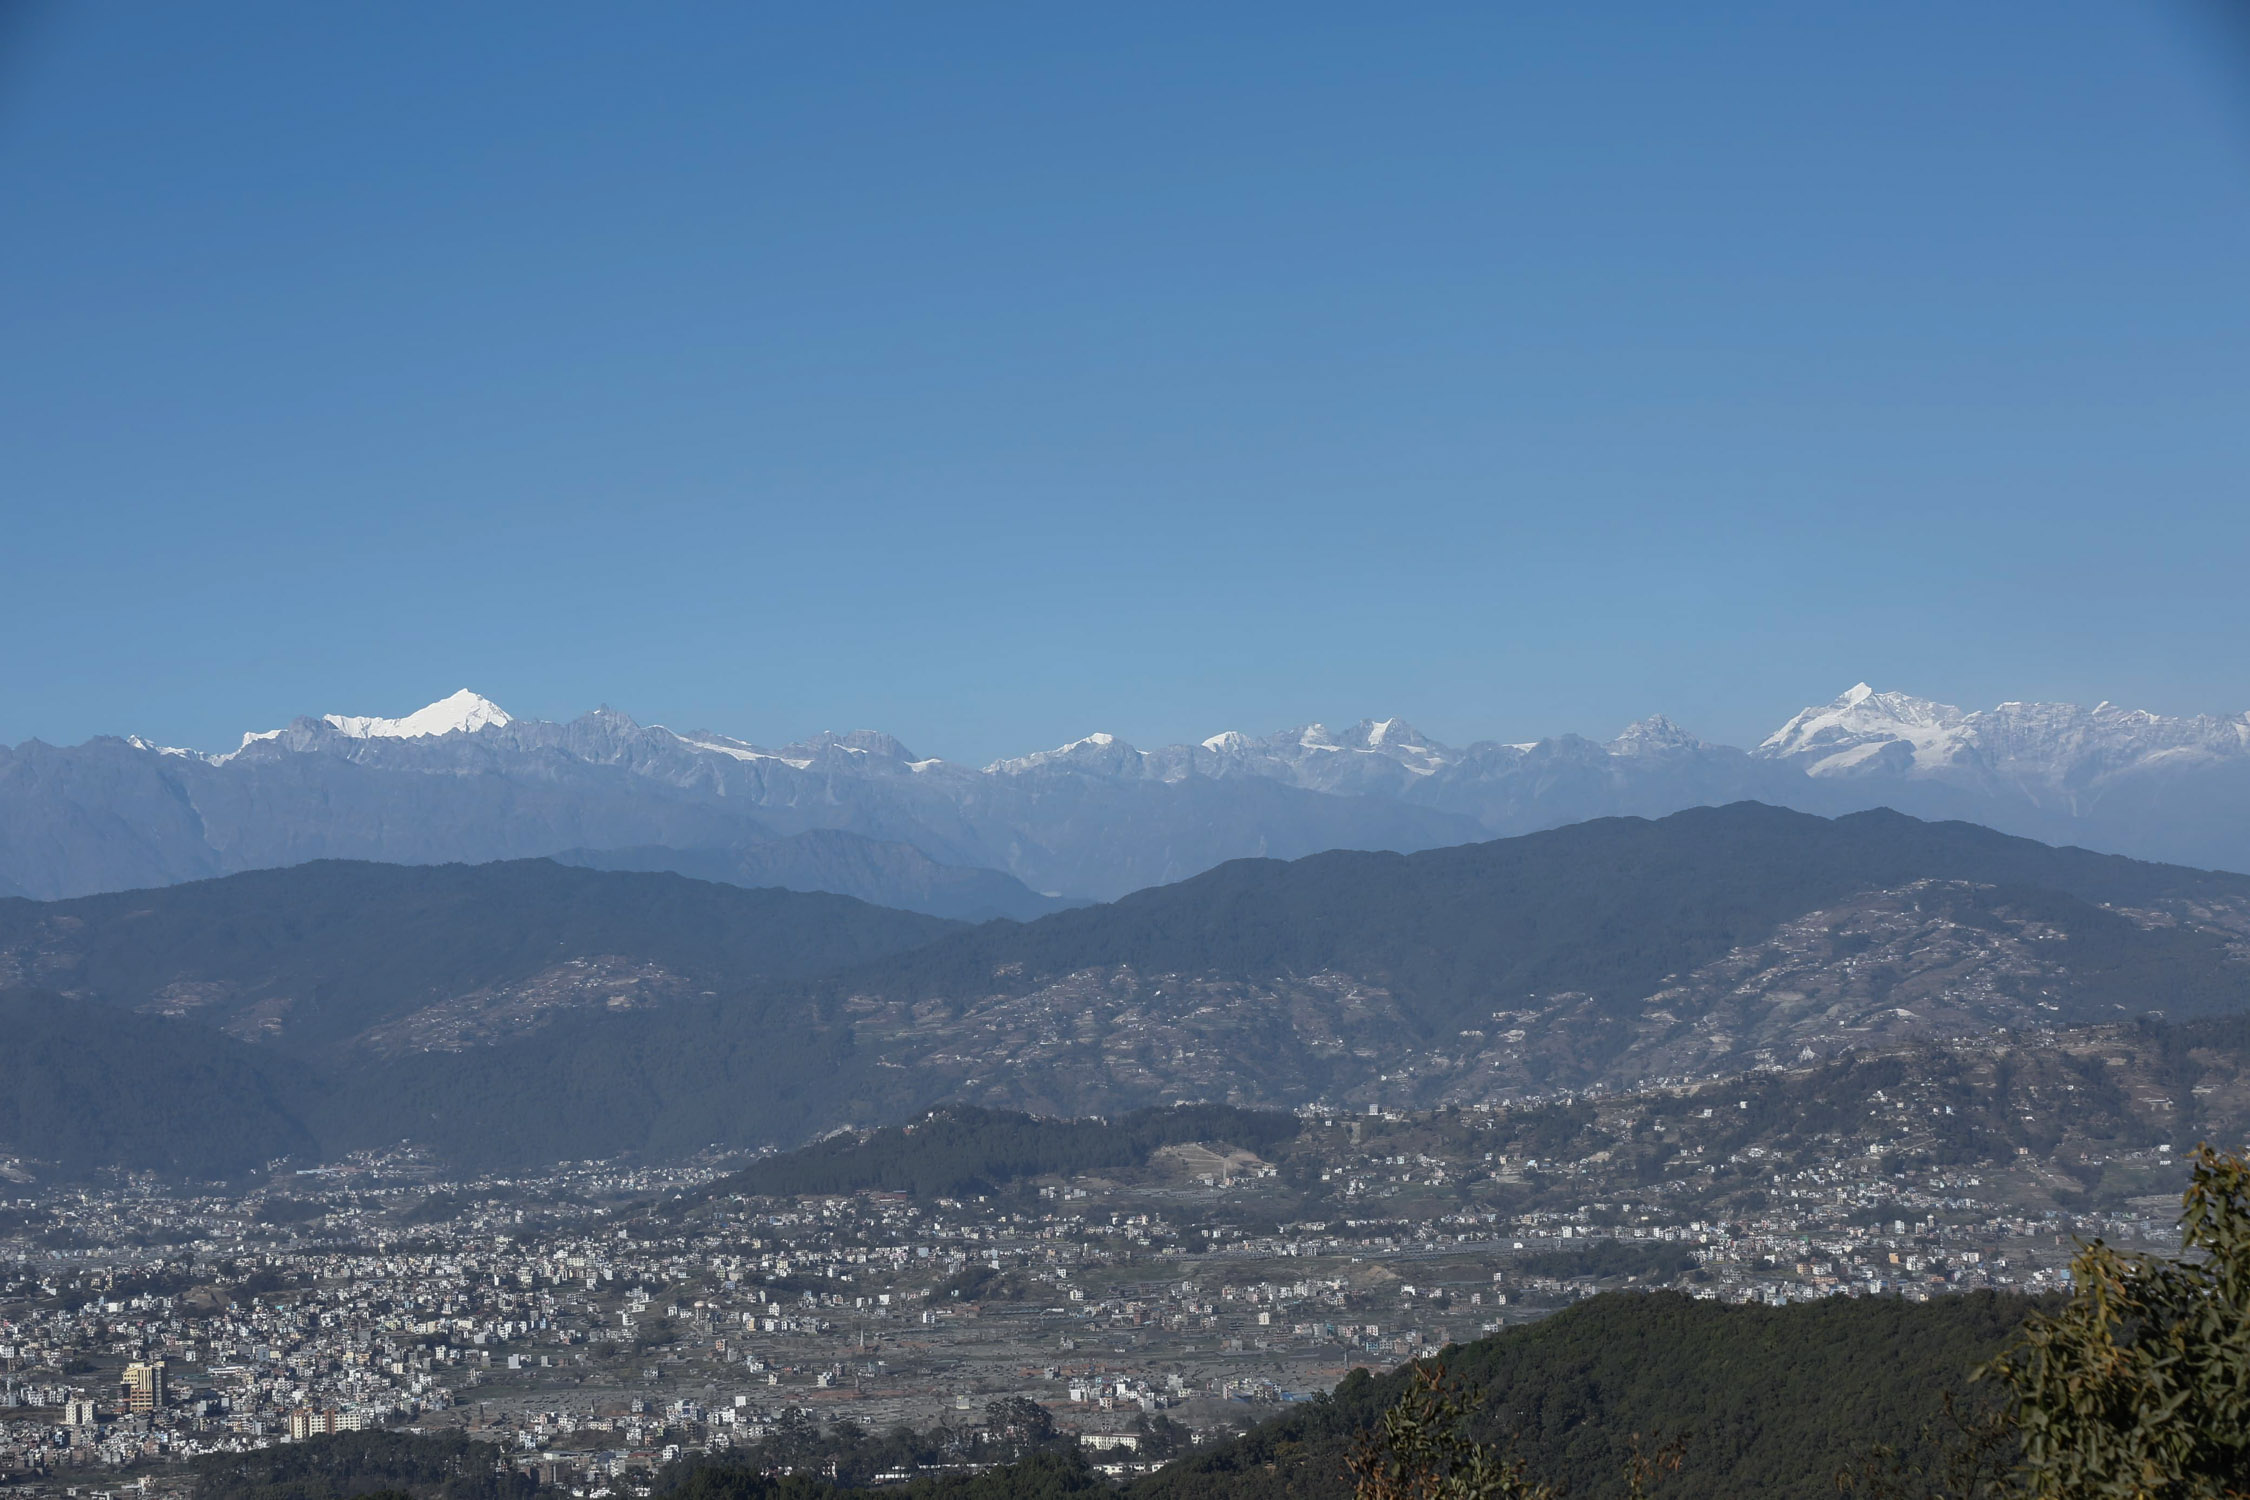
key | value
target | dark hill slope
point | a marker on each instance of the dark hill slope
(318, 953)
(1773, 1401)
(829, 859)
(731, 1071)
(1608, 908)
(82, 1088)
(963, 1149)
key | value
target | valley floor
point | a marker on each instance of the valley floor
(603, 1320)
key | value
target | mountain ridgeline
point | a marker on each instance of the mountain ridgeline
(327, 952)
(518, 1013)
(827, 859)
(1609, 908)
(462, 780)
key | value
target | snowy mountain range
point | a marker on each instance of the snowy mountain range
(463, 780)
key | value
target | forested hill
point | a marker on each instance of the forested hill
(1774, 1402)
(319, 953)
(1608, 908)
(84, 1089)
(962, 1149)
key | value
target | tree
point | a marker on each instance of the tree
(1019, 1422)
(2139, 1388)
(1973, 1455)
(1161, 1437)
(1420, 1452)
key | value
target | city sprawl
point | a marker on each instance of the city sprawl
(601, 1320)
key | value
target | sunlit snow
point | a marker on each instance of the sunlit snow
(464, 712)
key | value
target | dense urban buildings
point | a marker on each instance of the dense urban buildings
(602, 1320)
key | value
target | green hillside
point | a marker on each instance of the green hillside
(1774, 1401)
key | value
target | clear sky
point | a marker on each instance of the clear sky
(992, 375)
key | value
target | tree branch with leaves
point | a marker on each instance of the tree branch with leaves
(1421, 1450)
(2139, 1389)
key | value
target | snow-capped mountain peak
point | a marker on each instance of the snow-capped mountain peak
(1097, 816)
(1099, 753)
(464, 711)
(1389, 736)
(1654, 735)
(2049, 751)
(733, 749)
(1857, 729)
(1383, 736)
(140, 744)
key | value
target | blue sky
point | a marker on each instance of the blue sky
(994, 375)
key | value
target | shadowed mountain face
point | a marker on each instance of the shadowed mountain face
(408, 958)
(518, 1013)
(462, 781)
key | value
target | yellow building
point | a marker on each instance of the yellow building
(144, 1385)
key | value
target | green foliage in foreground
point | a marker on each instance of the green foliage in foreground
(963, 1149)
(1421, 1451)
(354, 1464)
(2139, 1389)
